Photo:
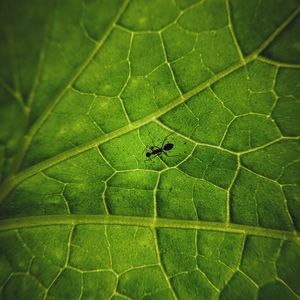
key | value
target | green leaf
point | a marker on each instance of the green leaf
(86, 86)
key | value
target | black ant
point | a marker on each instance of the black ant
(157, 151)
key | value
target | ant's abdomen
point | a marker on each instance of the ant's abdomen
(168, 147)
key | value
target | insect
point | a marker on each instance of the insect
(157, 151)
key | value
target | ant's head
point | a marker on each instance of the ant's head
(148, 154)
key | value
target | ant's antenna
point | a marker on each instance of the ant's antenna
(166, 138)
(152, 140)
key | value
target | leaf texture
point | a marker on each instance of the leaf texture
(87, 86)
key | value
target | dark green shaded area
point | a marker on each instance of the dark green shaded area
(239, 287)
(289, 252)
(287, 110)
(279, 161)
(254, 21)
(258, 201)
(17, 20)
(259, 259)
(293, 202)
(213, 256)
(286, 48)
(11, 130)
(28, 287)
(276, 289)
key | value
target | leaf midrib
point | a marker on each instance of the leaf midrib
(17, 178)
(47, 220)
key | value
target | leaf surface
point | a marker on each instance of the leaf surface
(87, 86)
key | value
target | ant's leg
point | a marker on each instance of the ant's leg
(169, 155)
(154, 146)
(163, 143)
(151, 148)
(151, 158)
(147, 148)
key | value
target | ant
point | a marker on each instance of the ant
(157, 151)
